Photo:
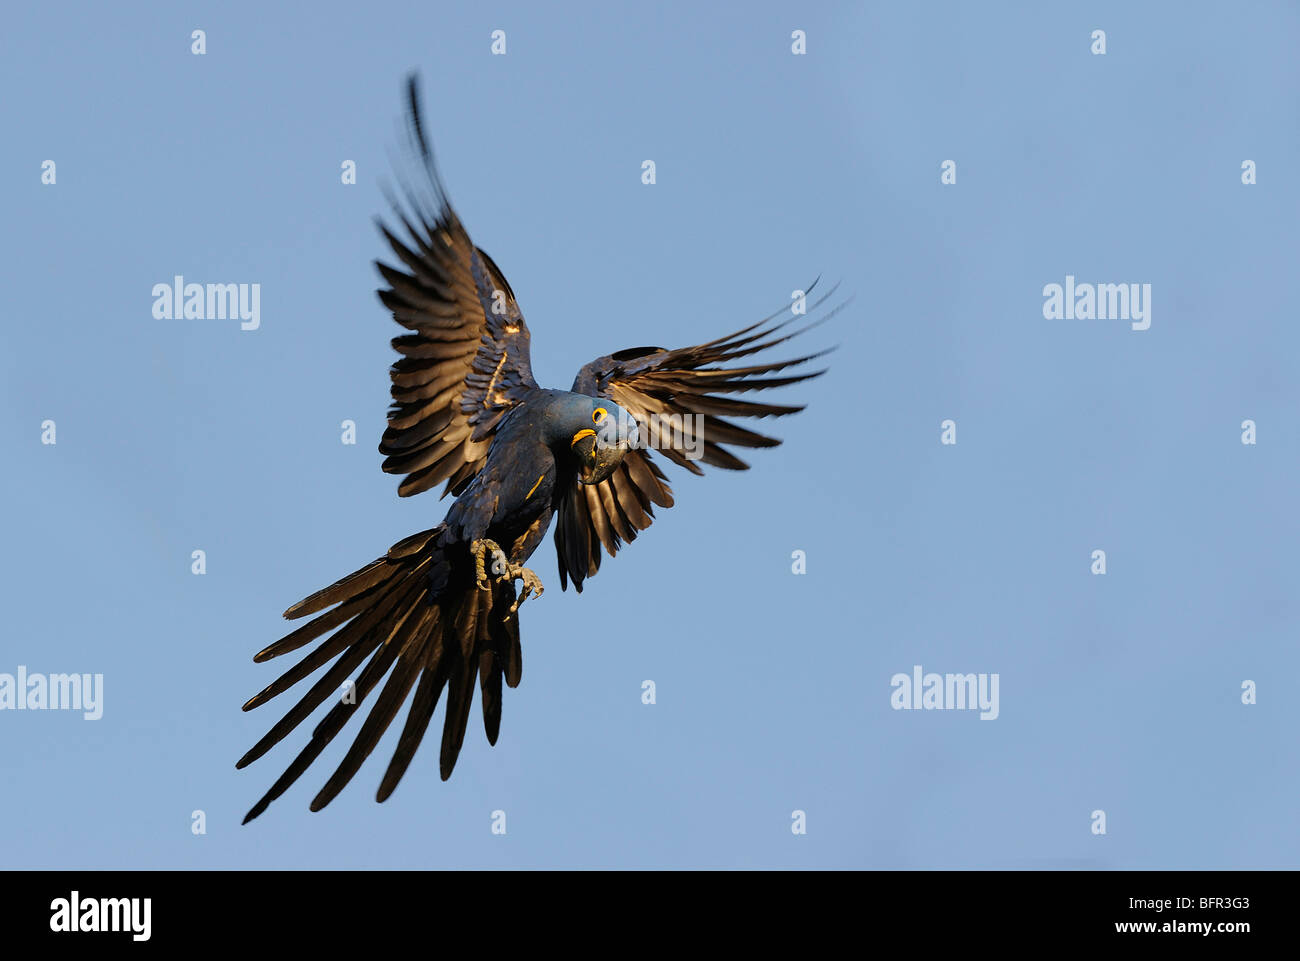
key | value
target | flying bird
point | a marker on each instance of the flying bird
(440, 610)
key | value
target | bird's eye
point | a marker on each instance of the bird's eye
(598, 415)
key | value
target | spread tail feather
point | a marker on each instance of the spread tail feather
(417, 612)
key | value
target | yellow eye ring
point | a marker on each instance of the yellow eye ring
(598, 415)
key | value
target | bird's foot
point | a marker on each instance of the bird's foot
(479, 549)
(532, 585)
(501, 569)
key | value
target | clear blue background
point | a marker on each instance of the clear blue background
(1119, 693)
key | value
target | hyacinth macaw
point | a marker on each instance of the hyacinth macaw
(439, 609)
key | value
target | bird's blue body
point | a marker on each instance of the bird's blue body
(537, 444)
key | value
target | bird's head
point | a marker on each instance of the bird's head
(602, 435)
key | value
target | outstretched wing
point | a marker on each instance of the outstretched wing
(680, 399)
(466, 362)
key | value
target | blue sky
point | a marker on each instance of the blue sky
(1118, 692)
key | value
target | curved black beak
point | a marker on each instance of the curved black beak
(600, 453)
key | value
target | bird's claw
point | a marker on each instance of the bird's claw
(502, 569)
